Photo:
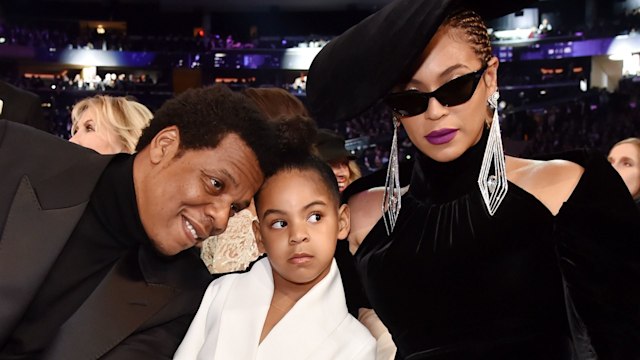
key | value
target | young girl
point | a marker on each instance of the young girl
(291, 304)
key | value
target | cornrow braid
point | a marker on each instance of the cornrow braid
(475, 30)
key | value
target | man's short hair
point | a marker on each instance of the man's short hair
(204, 116)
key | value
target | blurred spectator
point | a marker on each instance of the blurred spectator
(544, 27)
(332, 151)
(625, 158)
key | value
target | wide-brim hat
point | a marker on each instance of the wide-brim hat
(359, 67)
(331, 146)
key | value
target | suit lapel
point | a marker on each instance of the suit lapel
(324, 307)
(31, 242)
(119, 305)
(245, 310)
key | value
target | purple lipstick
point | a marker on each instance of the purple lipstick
(442, 136)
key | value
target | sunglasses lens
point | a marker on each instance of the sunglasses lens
(408, 103)
(457, 91)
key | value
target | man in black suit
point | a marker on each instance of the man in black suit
(96, 252)
(21, 106)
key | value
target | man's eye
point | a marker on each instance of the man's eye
(216, 184)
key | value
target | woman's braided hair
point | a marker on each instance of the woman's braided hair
(474, 30)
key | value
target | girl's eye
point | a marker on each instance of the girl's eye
(279, 224)
(314, 218)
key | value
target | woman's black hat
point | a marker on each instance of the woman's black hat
(360, 66)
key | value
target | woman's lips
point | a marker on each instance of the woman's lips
(442, 136)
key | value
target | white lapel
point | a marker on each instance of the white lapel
(235, 308)
(304, 329)
(240, 315)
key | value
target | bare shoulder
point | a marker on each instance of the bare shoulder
(366, 210)
(551, 181)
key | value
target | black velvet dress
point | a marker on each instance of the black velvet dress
(453, 282)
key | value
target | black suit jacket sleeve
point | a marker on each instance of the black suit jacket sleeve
(22, 106)
(145, 345)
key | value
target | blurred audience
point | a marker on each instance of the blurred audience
(595, 119)
(68, 36)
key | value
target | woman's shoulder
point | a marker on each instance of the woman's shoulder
(366, 197)
(547, 171)
(366, 210)
(551, 181)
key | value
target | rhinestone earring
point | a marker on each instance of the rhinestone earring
(391, 201)
(493, 186)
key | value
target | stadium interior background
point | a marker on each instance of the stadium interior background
(569, 72)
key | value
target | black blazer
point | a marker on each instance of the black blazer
(45, 186)
(21, 106)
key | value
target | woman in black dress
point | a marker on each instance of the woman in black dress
(485, 256)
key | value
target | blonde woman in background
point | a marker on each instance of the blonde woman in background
(108, 125)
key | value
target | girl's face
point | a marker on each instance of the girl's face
(99, 137)
(625, 158)
(300, 222)
(444, 132)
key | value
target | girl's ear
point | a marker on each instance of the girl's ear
(344, 221)
(256, 232)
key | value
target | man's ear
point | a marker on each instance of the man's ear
(256, 233)
(344, 221)
(165, 143)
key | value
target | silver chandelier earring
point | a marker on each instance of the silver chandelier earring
(493, 185)
(391, 201)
